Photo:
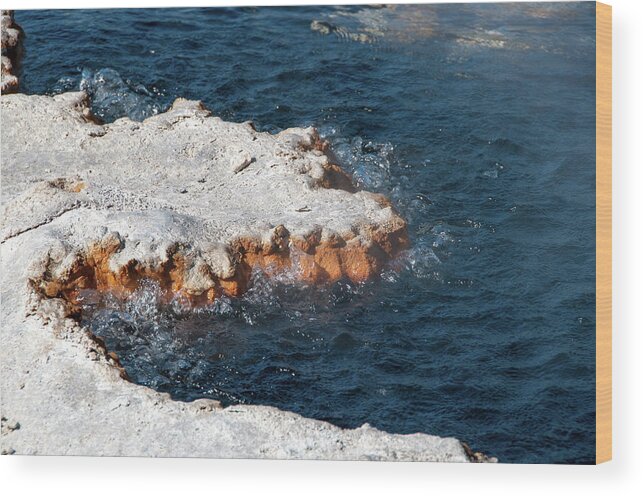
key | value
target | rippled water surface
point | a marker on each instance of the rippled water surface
(477, 120)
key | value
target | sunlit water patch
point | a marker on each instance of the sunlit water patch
(476, 120)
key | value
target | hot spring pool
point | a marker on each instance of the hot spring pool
(476, 120)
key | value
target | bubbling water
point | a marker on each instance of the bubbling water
(266, 346)
(113, 96)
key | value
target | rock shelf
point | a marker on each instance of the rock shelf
(167, 199)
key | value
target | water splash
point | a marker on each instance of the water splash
(368, 162)
(112, 96)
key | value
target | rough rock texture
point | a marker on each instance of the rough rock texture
(11, 52)
(184, 198)
(195, 203)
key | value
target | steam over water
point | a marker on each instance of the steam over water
(478, 122)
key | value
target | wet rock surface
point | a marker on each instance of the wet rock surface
(193, 203)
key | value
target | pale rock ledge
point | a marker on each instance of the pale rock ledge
(184, 198)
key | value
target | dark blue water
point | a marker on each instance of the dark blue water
(477, 120)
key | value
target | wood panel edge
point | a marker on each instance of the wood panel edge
(603, 232)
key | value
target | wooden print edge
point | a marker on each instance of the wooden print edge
(603, 232)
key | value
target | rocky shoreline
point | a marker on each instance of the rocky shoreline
(196, 204)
